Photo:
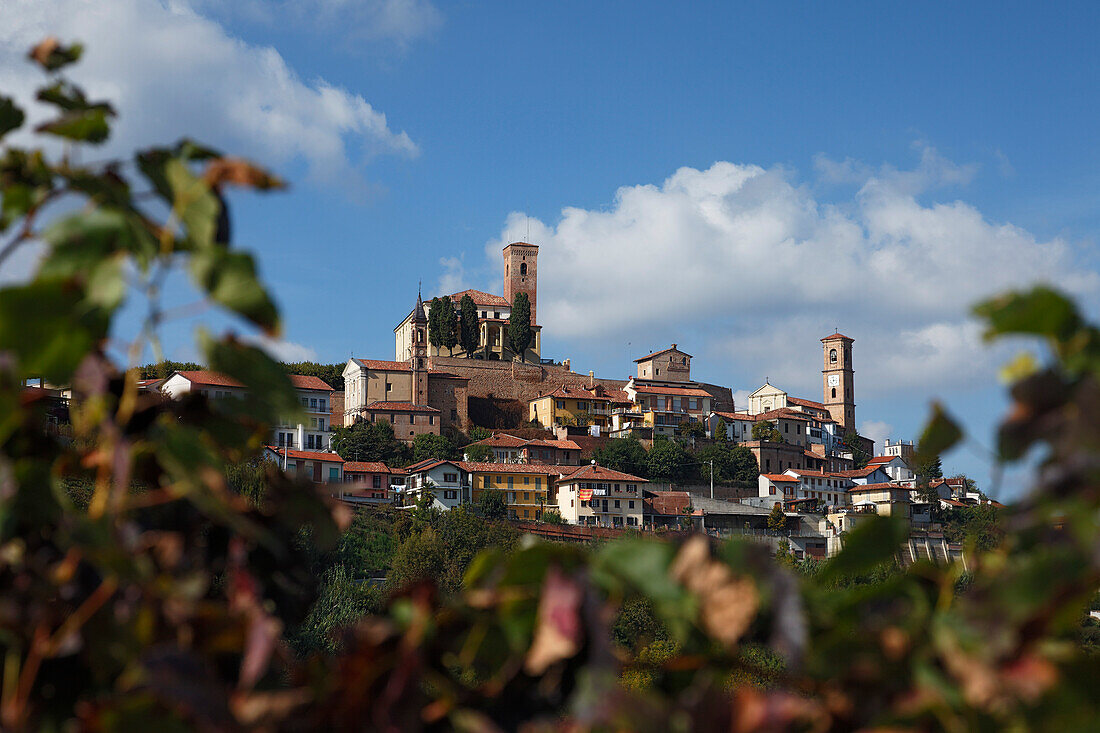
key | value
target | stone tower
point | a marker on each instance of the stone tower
(521, 273)
(418, 358)
(837, 379)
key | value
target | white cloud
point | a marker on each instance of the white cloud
(454, 278)
(762, 266)
(877, 431)
(281, 350)
(399, 21)
(171, 72)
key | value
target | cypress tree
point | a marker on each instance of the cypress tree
(470, 333)
(435, 312)
(448, 324)
(519, 325)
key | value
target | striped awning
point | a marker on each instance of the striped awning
(585, 494)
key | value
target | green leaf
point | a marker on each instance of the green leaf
(1040, 311)
(229, 278)
(270, 394)
(81, 241)
(939, 434)
(11, 117)
(874, 541)
(193, 202)
(88, 126)
(50, 326)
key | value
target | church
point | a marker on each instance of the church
(520, 276)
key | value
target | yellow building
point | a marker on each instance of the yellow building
(565, 404)
(525, 487)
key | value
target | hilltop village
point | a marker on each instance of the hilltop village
(535, 427)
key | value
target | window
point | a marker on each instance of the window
(313, 403)
(832, 356)
(527, 496)
(321, 405)
(496, 314)
(450, 494)
(511, 479)
(482, 314)
(313, 423)
(616, 503)
(388, 386)
(538, 482)
(561, 404)
(376, 481)
(834, 391)
(333, 473)
(630, 505)
(523, 268)
(526, 479)
(431, 419)
(582, 405)
(450, 478)
(454, 414)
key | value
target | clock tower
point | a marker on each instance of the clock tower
(837, 379)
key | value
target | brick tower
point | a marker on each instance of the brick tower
(418, 358)
(837, 379)
(521, 273)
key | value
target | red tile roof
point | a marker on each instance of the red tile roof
(307, 455)
(672, 391)
(807, 403)
(209, 378)
(874, 487)
(368, 467)
(647, 357)
(859, 472)
(780, 477)
(573, 393)
(380, 365)
(399, 407)
(482, 298)
(837, 336)
(301, 381)
(735, 415)
(880, 459)
(785, 413)
(666, 503)
(597, 473)
(533, 468)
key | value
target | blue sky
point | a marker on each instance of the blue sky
(740, 180)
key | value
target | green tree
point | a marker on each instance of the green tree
(551, 516)
(435, 322)
(733, 464)
(777, 520)
(429, 445)
(448, 324)
(478, 452)
(623, 454)
(469, 327)
(766, 430)
(331, 374)
(689, 429)
(491, 505)
(342, 603)
(852, 442)
(721, 429)
(520, 334)
(370, 441)
(667, 461)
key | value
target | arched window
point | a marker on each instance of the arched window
(523, 268)
(834, 391)
(832, 356)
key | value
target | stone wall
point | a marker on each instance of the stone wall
(449, 397)
(510, 380)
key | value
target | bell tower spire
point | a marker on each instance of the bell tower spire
(838, 379)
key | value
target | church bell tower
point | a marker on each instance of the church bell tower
(521, 273)
(838, 381)
(418, 357)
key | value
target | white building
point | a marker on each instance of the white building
(316, 466)
(599, 497)
(447, 481)
(314, 432)
(738, 425)
(895, 467)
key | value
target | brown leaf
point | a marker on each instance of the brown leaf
(239, 172)
(41, 53)
(558, 629)
(728, 602)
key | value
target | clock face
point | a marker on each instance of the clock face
(834, 380)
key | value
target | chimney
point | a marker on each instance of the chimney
(591, 378)
(566, 365)
(674, 346)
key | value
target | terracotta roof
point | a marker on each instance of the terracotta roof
(780, 477)
(684, 391)
(666, 503)
(482, 298)
(783, 412)
(875, 487)
(617, 395)
(431, 463)
(598, 473)
(210, 378)
(819, 474)
(367, 467)
(533, 468)
(559, 444)
(308, 455)
(301, 381)
(662, 351)
(858, 472)
(399, 407)
(880, 459)
(837, 336)
(573, 393)
(807, 403)
(500, 440)
(380, 365)
(735, 415)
